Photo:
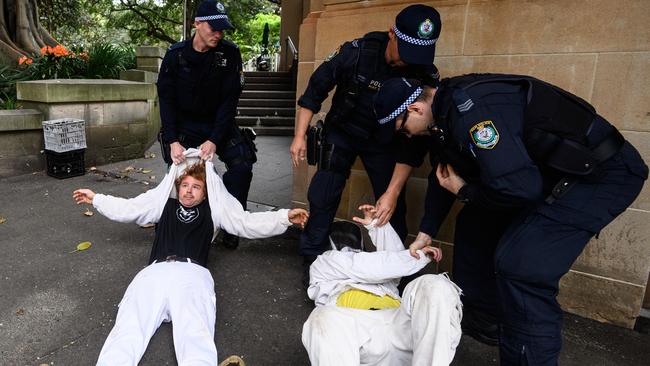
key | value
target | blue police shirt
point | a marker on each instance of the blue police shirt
(485, 128)
(199, 92)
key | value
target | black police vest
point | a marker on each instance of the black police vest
(556, 122)
(353, 100)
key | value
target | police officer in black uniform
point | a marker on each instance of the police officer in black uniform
(199, 85)
(540, 173)
(357, 69)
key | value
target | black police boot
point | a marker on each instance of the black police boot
(306, 264)
(229, 241)
(480, 326)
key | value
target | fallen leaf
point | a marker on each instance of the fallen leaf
(93, 168)
(2, 220)
(147, 226)
(128, 169)
(82, 246)
(153, 177)
(149, 156)
(88, 212)
(146, 171)
(145, 183)
(20, 312)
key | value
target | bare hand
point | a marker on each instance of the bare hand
(448, 178)
(368, 214)
(385, 208)
(433, 252)
(176, 151)
(421, 241)
(298, 150)
(83, 196)
(298, 216)
(207, 150)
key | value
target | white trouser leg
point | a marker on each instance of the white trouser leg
(140, 313)
(330, 336)
(432, 303)
(192, 305)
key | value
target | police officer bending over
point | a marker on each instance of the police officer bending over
(199, 85)
(357, 69)
(540, 173)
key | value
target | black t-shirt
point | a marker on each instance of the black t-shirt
(183, 231)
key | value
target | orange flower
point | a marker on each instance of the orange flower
(25, 60)
(60, 51)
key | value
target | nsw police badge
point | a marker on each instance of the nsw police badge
(221, 8)
(426, 29)
(484, 134)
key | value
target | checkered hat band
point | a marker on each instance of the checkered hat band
(402, 107)
(411, 40)
(212, 17)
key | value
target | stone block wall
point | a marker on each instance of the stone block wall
(21, 142)
(121, 117)
(597, 49)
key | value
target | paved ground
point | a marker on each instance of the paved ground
(57, 307)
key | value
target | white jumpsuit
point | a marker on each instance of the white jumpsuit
(424, 330)
(182, 293)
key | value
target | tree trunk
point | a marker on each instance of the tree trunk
(21, 33)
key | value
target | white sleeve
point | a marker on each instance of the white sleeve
(229, 214)
(370, 268)
(143, 209)
(384, 238)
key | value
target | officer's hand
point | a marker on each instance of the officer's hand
(448, 178)
(368, 214)
(385, 207)
(421, 241)
(83, 196)
(433, 253)
(298, 216)
(207, 149)
(176, 151)
(298, 149)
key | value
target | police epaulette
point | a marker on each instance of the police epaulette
(462, 100)
(229, 43)
(177, 45)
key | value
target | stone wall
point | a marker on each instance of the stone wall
(597, 49)
(121, 117)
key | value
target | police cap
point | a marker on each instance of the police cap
(417, 28)
(394, 96)
(214, 13)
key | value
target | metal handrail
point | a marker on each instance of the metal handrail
(292, 48)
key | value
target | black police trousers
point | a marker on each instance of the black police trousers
(327, 186)
(510, 264)
(237, 158)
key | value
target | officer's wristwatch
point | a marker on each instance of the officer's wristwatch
(462, 194)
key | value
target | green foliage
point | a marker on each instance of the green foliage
(105, 61)
(8, 78)
(100, 61)
(249, 35)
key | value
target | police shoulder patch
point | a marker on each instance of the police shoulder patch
(177, 45)
(484, 135)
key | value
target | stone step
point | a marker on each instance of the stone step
(266, 111)
(273, 131)
(268, 79)
(267, 103)
(268, 94)
(274, 86)
(285, 74)
(255, 121)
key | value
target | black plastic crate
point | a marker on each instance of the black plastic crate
(65, 164)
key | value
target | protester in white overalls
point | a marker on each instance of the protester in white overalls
(176, 286)
(360, 318)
